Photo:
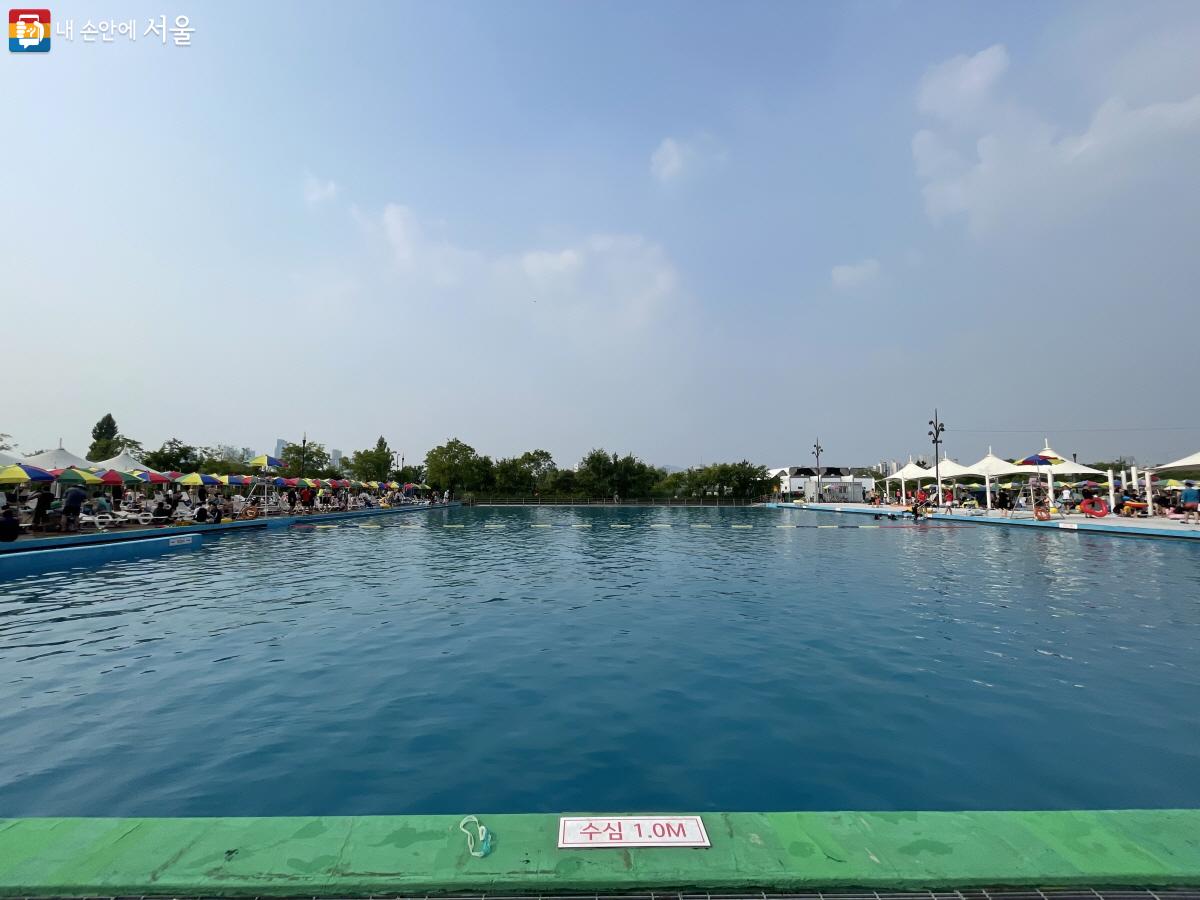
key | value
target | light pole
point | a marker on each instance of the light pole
(303, 445)
(935, 434)
(817, 448)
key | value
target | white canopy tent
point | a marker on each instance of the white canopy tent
(7, 459)
(911, 472)
(948, 468)
(1066, 467)
(123, 462)
(992, 466)
(56, 459)
(1188, 462)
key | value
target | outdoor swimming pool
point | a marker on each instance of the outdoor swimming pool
(395, 669)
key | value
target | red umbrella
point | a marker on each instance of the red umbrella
(152, 477)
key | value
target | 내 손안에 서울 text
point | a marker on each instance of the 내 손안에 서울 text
(31, 30)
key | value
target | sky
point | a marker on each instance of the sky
(691, 231)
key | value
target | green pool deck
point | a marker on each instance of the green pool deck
(359, 856)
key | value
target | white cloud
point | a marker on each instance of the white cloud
(960, 85)
(437, 262)
(675, 158)
(850, 276)
(546, 265)
(995, 162)
(667, 161)
(317, 191)
(602, 282)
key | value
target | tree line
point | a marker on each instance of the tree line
(459, 468)
(454, 466)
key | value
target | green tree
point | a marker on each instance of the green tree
(107, 440)
(1121, 462)
(225, 459)
(373, 464)
(594, 474)
(601, 474)
(104, 439)
(455, 466)
(308, 459)
(410, 475)
(522, 475)
(743, 480)
(6, 442)
(174, 456)
(674, 484)
(559, 483)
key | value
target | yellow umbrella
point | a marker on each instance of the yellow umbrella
(75, 476)
(19, 473)
(197, 478)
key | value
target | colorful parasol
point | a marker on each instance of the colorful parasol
(75, 476)
(197, 478)
(236, 479)
(116, 476)
(151, 477)
(1038, 459)
(265, 460)
(19, 473)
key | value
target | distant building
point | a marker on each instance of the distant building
(335, 458)
(280, 443)
(836, 483)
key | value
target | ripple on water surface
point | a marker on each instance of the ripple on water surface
(427, 669)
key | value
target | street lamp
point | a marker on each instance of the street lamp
(935, 434)
(817, 448)
(303, 445)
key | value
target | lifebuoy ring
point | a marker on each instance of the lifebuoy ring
(250, 512)
(1041, 514)
(1094, 508)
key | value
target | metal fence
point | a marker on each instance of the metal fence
(488, 500)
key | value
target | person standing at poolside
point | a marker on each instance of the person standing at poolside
(41, 503)
(10, 526)
(1189, 499)
(72, 504)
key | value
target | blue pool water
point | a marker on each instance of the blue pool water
(404, 669)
